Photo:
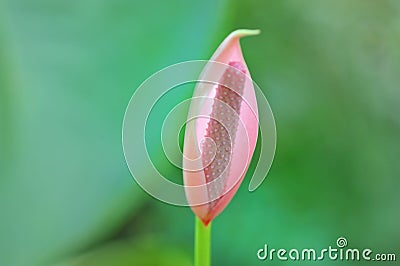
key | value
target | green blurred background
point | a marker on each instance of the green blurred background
(331, 72)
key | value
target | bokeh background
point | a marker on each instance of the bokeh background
(331, 72)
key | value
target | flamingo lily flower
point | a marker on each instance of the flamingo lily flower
(221, 132)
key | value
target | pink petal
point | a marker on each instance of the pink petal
(220, 141)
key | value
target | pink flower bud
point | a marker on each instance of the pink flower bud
(221, 132)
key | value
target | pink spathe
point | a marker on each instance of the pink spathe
(221, 132)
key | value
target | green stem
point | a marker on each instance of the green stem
(202, 244)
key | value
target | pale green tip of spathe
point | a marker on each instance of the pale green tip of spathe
(245, 32)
